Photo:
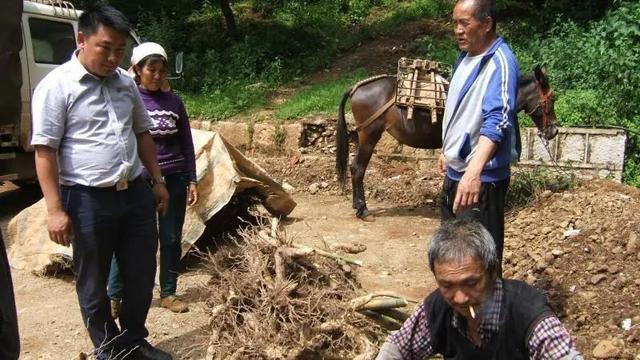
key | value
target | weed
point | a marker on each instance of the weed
(528, 185)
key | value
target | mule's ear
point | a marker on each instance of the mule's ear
(537, 70)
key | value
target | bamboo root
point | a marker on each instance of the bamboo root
(348, 248)
(360, 302)
(381, 304)
(330, 255)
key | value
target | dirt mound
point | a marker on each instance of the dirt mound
(395, 182)
(582, 248)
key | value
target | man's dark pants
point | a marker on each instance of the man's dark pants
(489, 211)
(107, 222)
(9, 340)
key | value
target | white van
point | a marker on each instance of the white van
(48, 29)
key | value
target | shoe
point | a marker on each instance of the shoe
(174, 304)
(147, 352)
(115, 308)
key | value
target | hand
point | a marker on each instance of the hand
(468, 192)
(59, 227)
(192, 194)
(442, 165)
(162, 198)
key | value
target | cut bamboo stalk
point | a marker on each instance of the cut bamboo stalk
(395, 313)
(387, 322)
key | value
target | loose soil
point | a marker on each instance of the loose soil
(580, 247)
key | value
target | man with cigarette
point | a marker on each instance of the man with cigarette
(474, 314)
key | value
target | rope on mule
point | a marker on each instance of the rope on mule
(377, 114)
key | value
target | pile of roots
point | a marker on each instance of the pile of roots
(272, 299)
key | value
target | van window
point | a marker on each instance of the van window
(53, 41)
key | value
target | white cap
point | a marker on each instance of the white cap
(145, 49)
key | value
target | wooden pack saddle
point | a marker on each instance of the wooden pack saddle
(420, 85)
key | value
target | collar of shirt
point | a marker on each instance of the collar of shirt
(490, 313)
(78, 71)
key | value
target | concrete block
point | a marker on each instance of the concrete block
(264, 138)
(293, 138)
(236, 133)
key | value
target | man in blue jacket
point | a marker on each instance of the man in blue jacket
(478, 121)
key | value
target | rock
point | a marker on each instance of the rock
(324, 184)
(596, 279)
(614, 269)
(608, 349)
(547, 193)
(571, 233)
(313, 188)
(288, 188)
(549, 258)
(632, 243)
(557, 252)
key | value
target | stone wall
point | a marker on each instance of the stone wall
(589, 153)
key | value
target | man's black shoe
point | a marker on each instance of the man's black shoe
(148, 352)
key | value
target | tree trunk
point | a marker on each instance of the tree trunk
(229, 19)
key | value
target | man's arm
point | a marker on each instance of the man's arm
(411, 342)
(551, 340)
(58, 222)
(147, 154)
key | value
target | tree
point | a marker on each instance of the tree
(229, 19)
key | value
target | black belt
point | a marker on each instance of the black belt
(113, 188)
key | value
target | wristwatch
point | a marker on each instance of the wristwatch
(157, 180)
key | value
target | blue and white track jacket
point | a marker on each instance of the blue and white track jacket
(485, 106)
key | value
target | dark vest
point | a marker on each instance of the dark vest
(522, 308)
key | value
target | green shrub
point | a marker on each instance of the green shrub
(528, 185)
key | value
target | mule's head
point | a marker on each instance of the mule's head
(536, 99)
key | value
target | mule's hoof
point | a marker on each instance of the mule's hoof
(365, 215)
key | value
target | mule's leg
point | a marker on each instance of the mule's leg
(367, 143)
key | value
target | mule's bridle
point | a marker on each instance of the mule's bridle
(544, 103)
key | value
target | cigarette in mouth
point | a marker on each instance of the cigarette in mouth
(472, 312)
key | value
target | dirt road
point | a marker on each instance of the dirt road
(50, 324)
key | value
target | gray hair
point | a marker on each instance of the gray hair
(462, 238)
(483, 9)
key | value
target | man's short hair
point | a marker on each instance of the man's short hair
(105, 15)
(483, 9)
(462, 238)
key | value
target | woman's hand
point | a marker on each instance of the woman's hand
(192, 194)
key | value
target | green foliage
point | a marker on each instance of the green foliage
(442, 49)
(594, 68)
(321, 98)
(224, 102)
(528, 185)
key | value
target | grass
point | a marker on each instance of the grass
(322, 98)
(224, 103)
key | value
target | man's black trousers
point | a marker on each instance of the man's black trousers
(107, 222)
(9, 340)
(489, 211)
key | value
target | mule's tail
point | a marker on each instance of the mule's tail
(342, 142)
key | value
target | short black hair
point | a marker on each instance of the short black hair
(105, 15)
(483, 9)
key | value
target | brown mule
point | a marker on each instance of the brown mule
(535, 97)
